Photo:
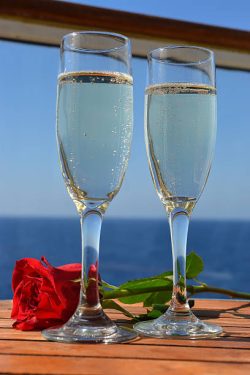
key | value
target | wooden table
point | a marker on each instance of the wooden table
(29, 353)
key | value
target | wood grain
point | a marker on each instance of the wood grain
(66, 365)
(28, 353)
(139, 25)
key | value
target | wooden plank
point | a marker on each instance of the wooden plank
(14, 334)
(27, 352)
(220, 304)
(222, 342)
(228, 312)
(207, 304)
(5, 323)
(140, 25)
(16, 364)
(231, 313)
(229, 342)
(225, 322)
(46, 21)
(204, 315)
(6, 304)
(164, 352)
(5, 314)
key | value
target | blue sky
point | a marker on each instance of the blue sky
(31, 183)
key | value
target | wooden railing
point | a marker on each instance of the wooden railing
(45, 21)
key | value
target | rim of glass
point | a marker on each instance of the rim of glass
(122, 38)
(165, 60)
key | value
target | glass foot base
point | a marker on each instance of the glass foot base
(64, 334)
(184, 326)
(96, 329)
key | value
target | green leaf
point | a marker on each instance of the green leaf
(134, 299)
(140, 318)
(110, 304)
(154, 314)
(151, 314)
(142, 283)
(160, 307)
(194, 265)
(108, 286)
(139, 291)
(157, 298)
(146, 284)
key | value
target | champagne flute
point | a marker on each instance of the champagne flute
(94, 132)
(180, 132)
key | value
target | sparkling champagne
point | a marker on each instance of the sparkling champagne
(180, 127)
(94, 130)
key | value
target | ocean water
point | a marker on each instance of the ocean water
(129, 248)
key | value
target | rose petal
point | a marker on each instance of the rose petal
(43, 295)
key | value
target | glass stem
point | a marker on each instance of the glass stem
(91, 223)
(179, 222)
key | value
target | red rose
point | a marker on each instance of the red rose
(44, 295)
